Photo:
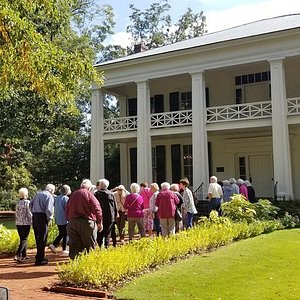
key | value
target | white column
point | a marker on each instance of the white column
(281, 143)
(97, 141)
(199, 132)
(144, 156)
(123, 146)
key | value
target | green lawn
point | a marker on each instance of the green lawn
(264, 267)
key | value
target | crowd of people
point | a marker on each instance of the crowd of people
(88, 217)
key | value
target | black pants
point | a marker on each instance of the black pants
(105, 233)
(62, 235)
(40, 228)
(23, 231)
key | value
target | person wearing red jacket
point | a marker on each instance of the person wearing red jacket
(166, 202)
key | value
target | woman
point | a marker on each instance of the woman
(146, 193)
(155, 190)
(23, 224)
(188, 207)
(134, 204)
(178, 216)
(120, 196)
(60, 220)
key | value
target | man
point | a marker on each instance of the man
(84, 216)
(215, 195)
(42, 207)
(109, 210)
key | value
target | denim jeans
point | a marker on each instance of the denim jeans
(215, 204)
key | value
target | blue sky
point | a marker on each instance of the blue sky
(220, 14)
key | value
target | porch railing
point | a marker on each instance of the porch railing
(120, 124)
(171, 119)
(293, 106)
(239, 112)
(215, 114)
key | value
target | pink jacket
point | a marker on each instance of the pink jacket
(134, 204)
(166, 202)
(146, 194)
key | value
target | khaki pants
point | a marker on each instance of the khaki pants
(131, 226)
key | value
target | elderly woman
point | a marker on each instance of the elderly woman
(120, 196)
(134, 203)
(155, 190)
(251, 191)
(166, 202)
(178, 221)
(228, 191)
(23, 224)
(60, 220)
(243, 188)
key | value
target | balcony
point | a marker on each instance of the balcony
(216, 114)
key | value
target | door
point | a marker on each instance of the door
(261, 173)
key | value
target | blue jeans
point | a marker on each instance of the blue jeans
(189, 220)
(214, 204)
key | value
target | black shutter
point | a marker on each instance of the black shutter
(160, 164)
(174, 101)
(132, 107)
(176, 162)
(133, 164)
(158, 103)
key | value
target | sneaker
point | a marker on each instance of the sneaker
(65, 253)
(52, 248)
(16, 258)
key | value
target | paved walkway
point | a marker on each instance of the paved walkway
(26, 281)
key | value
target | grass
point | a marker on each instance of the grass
(265, 267)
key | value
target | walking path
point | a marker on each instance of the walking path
(27, 281)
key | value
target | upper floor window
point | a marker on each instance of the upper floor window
(186, 100)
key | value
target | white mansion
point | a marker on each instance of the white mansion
(226, 104)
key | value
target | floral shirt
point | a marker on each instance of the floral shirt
(23, 213)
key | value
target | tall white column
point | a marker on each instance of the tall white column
(123, 147)
(199, 132)
(144, 156)
(281, 143)
(97, 141)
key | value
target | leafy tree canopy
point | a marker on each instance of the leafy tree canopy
(153, 27)
(40, 52)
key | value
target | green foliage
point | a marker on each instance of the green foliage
(291, 206)
(105, 268)
(9, 239)
(239, 209)
(153, 27)
(289, 221)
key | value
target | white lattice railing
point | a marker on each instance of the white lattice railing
(239, 112)
(171, 119)
(293, 106)
(120, 124)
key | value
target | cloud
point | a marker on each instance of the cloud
(120, 38)
(241, 14)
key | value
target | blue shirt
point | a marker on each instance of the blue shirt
(59, 209)
(43, 202)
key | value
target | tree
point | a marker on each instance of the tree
(34, 51)
(153, 27)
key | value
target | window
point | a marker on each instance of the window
(186, 100)
(242, 167)
(188, 163)
(157, 104)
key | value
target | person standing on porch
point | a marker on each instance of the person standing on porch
(188, 208)
(215, 195)
(42, 208)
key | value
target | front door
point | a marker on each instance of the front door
(261, 173)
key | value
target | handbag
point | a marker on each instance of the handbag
(178, 215)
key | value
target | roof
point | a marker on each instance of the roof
(265, 26)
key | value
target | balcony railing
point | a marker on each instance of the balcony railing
(293, 106)
(239, 112)
(171, 119)
(215, 114)
(120, 124)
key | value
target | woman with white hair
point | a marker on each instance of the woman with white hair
(134, 203)
(166, 202)
(251, 191)
(243, 188)
(23, 224)
(60, 220)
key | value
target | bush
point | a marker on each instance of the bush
(106, 268)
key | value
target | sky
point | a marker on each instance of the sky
(220, 14)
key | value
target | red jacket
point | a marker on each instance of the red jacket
(166, 202)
